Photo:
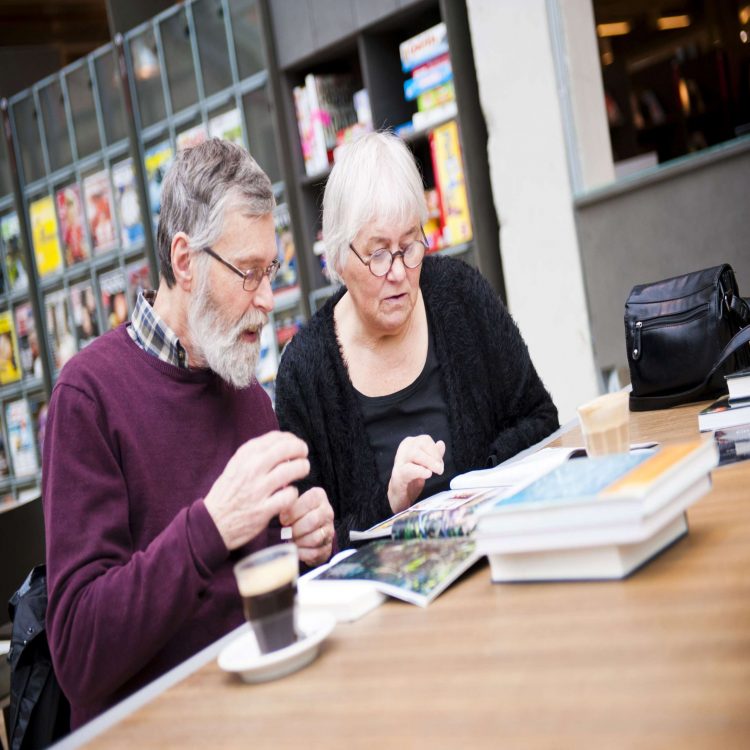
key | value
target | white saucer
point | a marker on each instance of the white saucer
(243, 657)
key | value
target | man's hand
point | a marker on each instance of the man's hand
(417, 459)
(311, 520)
(256, 485)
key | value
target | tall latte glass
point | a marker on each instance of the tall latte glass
(267, 581)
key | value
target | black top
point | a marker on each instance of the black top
(418, 409)
(496, 403)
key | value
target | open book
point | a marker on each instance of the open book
(414, 570)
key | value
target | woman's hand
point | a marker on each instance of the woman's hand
(417, 459)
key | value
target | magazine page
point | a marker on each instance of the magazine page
(72, 231)
(114, 300)
(10, 363)
(59, 330)
(99, 202)
(47, 251)
(15, 258)
(414, 570)
(28, 342)
(128, 206)
(85, 319)
(21, 444)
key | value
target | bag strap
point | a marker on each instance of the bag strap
(646, 403)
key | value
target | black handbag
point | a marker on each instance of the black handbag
(683, 336)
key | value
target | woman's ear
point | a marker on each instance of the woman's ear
(182, 265)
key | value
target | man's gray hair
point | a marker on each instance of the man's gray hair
(374, 179)
(199, 187)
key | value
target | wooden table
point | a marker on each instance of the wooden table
(659, 660)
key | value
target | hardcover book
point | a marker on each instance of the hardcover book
(70, 215)
(47, 251)
(724, 413)
(15, 259)
(128, 206)
(418, 49)
(98, 194)
(415, 570)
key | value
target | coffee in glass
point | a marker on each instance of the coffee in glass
(267, 581)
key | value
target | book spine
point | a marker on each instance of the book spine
(423, 47)
(428, 77)
(318, 149)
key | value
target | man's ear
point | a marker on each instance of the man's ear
(182, 264)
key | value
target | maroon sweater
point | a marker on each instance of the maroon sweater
(139, 578)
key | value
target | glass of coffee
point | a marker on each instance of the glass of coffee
(605, 424)
(267, 581)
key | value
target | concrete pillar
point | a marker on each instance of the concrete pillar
(547, 137)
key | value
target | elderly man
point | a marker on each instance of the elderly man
(162, 460)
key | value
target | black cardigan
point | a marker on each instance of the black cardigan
(497, 404)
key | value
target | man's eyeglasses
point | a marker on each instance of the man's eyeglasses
(250, 279)
(380, 261)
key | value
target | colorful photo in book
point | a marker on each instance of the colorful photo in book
(10, 363)
(285, 252)
(21, 443)
(28, 341)
(47, 251)
(15, 258)
(62, 342)
(128, 206)
(98, 193)
(113, 288)
(157, 160)
(139, 280)
(191, 137)
(85, 319)
(72, 231)
(227, 126)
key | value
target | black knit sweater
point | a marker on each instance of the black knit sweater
(496, 402)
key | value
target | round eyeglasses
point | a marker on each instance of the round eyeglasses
(250, 279)
(381, 260)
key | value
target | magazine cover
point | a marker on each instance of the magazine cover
(285, 252)
(157, 160)
(128, 207)
(62, 343)
(10, 365)
(191, 137)
(4, 464)
(113, 290)
(28, 343)
(139, 280)
(38, 409)
(15, 261)
(98, 194)
(70, 215)
(85, 319)
(228, 126)
(47, 251)
(21, 443)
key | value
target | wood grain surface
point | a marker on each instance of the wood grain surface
(659, 660)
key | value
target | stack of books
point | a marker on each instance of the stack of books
(550, 517)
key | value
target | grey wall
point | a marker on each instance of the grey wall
(687, 215)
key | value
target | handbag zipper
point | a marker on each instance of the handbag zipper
(663, 320)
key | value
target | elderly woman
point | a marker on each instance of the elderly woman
(413, 371)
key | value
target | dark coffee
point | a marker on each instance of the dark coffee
(267, 581)
(272, 616)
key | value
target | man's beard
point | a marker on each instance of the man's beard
(220, 342)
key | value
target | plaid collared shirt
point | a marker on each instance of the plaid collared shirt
(153, 335)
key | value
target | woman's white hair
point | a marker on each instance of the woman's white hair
(374, 179)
